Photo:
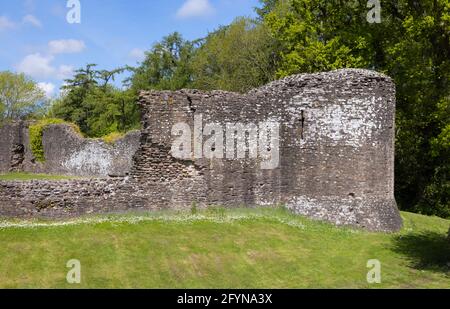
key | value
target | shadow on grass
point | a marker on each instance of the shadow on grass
(426, 250)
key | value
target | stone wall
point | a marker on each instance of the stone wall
(66, 152)
(11, 147)
(336, 146)
(336, 154)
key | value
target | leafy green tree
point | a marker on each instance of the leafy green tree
(237, 57)
(96, 106)
(167, 65)
(73, 106)
(412, 45)
(20, 96)
(420, 65)
(320, 35)
(112, 110)
(266, 7)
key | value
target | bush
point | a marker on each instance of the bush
(113, 137)
(36, 132)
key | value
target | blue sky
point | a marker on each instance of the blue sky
(37, 39)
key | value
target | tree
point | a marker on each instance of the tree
(72, 107)
(113, 110)
(412, 45)
(96, 106)
(167, 65)
(20, 96)
(237, 57)
(267, 6)
(320, 35)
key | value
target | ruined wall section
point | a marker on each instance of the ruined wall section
(12, 150)
(66, 152)
(336, 146)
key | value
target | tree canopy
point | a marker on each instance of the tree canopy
(20, 97)
(95, 105)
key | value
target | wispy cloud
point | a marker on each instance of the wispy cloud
(195, 8)
(32, 20)
(137, 54)
(7, 24)
(64, 71)
(66, 46)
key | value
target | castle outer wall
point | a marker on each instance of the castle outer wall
(334, 160)
(66, 152)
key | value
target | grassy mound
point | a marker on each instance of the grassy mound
(264, 248)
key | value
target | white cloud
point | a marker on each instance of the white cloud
(39, 66)
(32, 20)
(48, 88)
(137, 54)
(66, 46)
(6, 24)
(195, 8)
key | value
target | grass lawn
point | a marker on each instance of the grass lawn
(29, 176)
(264, 248)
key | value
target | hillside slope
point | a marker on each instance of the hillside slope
(217, 248)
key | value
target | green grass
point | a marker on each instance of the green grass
(264, 248)
(28, 176)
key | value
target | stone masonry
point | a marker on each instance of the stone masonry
(335, 155)
(66, 152)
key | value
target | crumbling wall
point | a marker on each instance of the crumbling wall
(66, 152)
(336, 153)
(336, 146)
(11, 147)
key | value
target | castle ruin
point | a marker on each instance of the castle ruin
(328, 155)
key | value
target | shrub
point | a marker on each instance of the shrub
(113, 137)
